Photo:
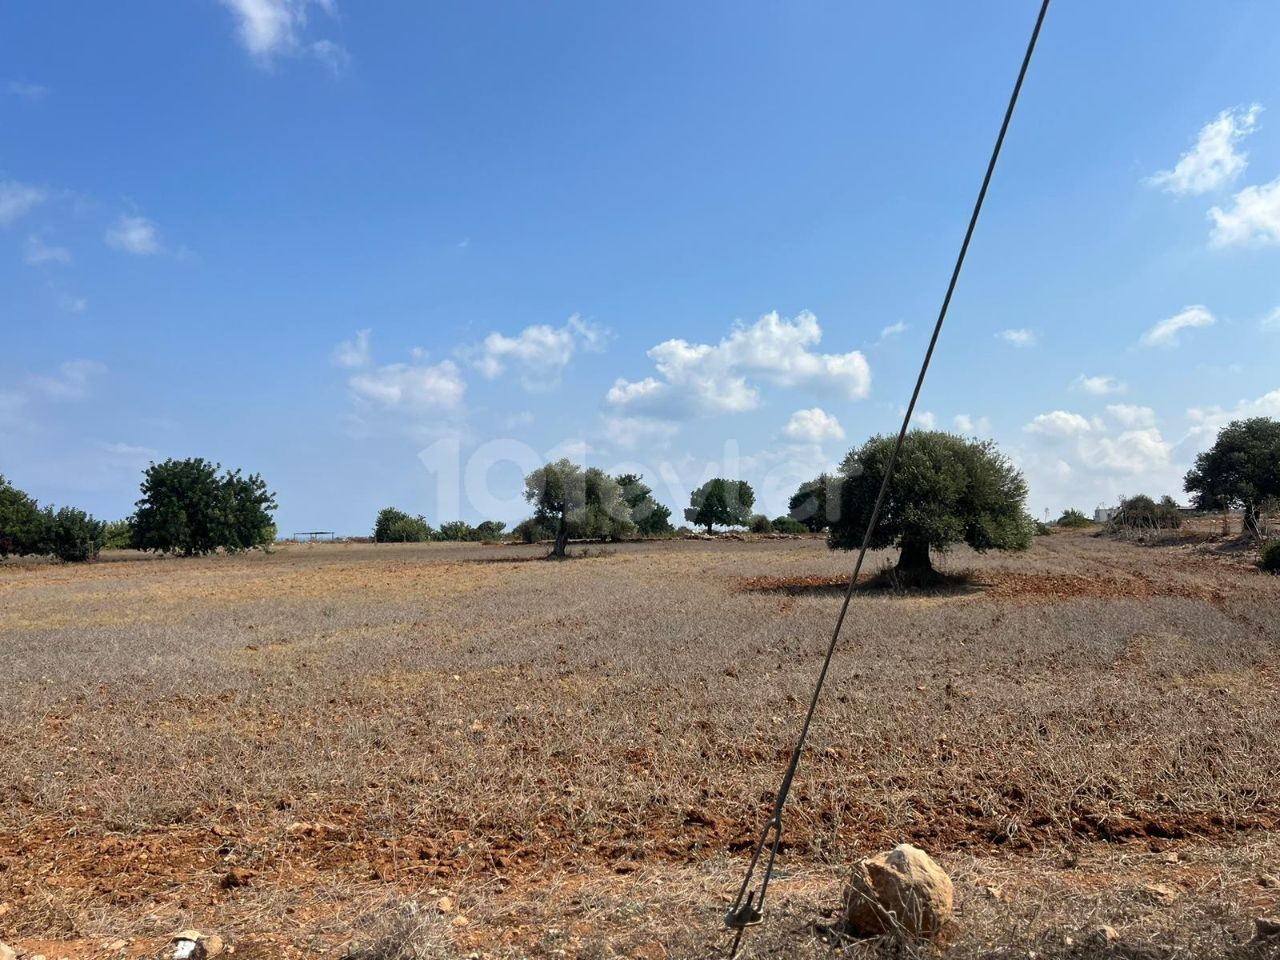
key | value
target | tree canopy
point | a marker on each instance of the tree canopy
(396, 526)
(809, 504)
(67, 533)
(187, 507)
(577, 503)
(721, 502)
(650, 517)
(945, 490)
(1240, 471)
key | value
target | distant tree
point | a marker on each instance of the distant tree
(721, 502)
(1240, 471)
(650, 517)
(1073, 518)
(1143, 513)
(945, 490)
(20, 521)
(489, 530)
(187, 507)
(787, 524)
(577, 503)
(396, 526)
(456, 530)
(70, 534)
(117, 535)
(533, 530)
(809, 504)
(759, 523)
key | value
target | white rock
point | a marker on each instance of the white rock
(903, 891)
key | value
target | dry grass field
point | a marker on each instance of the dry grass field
(462, 751)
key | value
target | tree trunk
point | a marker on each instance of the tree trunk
(562, 541)
(1249, 524)
(913, 558)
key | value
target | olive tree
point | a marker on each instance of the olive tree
(945, 490)
(1240, 471)
(577, 503)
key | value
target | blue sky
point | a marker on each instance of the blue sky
(689, 238)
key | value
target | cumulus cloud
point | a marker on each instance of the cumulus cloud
(273, 28)
(972, 426)
(134, 234)
(1099, 386)
(1214, 161)
(37, 251)
(17, 200)
(926, 420)
(1167, 332)
(354, 352)
(1058, 423)
(1252, 220)
(700, 378)
(540, 352)
(1207, 421)
(1021, 337)
(411, 386)
(1131, 415)
(813, 426)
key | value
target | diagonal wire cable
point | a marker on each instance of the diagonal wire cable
(748, 906)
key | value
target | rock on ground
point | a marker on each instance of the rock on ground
(900, 892)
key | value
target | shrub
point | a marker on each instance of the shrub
(70, 534)
(487, 530)
(533, 530)
(760, 524)
(1143, 513)
(1270, 558)
(1041, 528)
(396, 526)
(456, 531)
(1073, 518)
(788, 525)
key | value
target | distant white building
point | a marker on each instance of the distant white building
(1104, 514)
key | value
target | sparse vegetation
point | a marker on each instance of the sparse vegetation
(1142, 513)
(946, 490)
(1269, 558)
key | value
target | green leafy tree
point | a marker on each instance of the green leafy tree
(187, 507)
(759, 523)
(487, 530)
(788, 524)
(945, 490)
(20, 521)
(533, 530)
(456, 530)
(577, 503)
(396, 526)
(651, 518)
(70, 534)
(117, 535)
(811, 502)
(1241, 471)
(721, 502)
(1073, 518)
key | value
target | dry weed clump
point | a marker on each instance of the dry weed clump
(410, 718)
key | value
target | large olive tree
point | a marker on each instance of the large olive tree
(945, 490)
(577, 503)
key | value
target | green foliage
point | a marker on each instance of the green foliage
(70, 534)
(187, 508)
(533, 530)
(577, 503)
(117, 535)
(946, 490)
(20, 521)
(809, 504)
(456, 531)
(1073, 518)
(1240, 470)
(396, 526)
(1143, 513)
(786, 524)
(1270, 557)
(1040, 528)
(721, 502)
(487, 530)
(759, 523)
(651, 518)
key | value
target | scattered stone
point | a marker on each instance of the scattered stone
(7, 952)
(1104, 934)
(1267, 929)
(194, 945)
(1269, 881)
(993, 891)
(460, 921)
(445, 904)
(903, 891)
(1161, 894)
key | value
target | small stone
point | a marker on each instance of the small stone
(460, 921)
(237, 877)
(7, 952)
(445, 904)
(903, 891)
(993, 891)
(1104, 934)
(1161, 894)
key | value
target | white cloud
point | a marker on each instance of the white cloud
(1207, 421)
(966, 424)
(1132, 452)
(1271, 322)
(926, 420)
(1019, 337)
(639, 433)
(17, 200)
(1166, 332)
(271, 28)
(1214, 161)
(133, 234)
(892, 330)
(1099, 386)
(38, 252)
(1059, 423)
(1131, 415)
(31, 92)
(355, 352)
(540, 352)
(411, 386)
(699, 378)
(72, 381)
(813, 426)
(1254, 219)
